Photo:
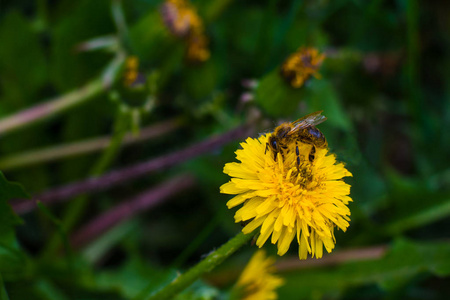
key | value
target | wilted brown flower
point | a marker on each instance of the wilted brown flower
(301, 65)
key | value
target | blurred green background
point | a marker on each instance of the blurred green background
(384, 87)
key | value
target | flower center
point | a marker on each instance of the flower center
(294, 181)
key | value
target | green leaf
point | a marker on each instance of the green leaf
(12, 261)
(200, 80)
(150, 39)
(276, 97)
(421, 217)
(3, 293)
(413, 204)
(47, 290)
(133, 277)
(101, 245)
(23, 69)
(322, 96)
(9, 190)
(59, 227)
(85, 21)
(198, 291)
(11, 258)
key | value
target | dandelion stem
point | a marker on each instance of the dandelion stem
(83, 147)
(120, 129)
(129, 208)
(59, 104)
(205, 266)
(76, 208)
(121, 176)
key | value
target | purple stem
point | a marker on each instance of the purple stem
(128, 209)
(339, 257)
(121, 176)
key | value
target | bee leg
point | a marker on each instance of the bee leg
(298, 156)
(274, 153)
(312, 154)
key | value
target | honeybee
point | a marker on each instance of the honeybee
(303, 130)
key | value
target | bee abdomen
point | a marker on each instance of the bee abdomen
(318, 136)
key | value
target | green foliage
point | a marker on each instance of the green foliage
(323, 95)
(276, 97)
(384, 87)
(23, 68)
(69, 68)
(12, 259)
(132, 278)
(403, 262)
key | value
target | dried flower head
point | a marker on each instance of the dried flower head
(289, 196)
(132, 78)
(257, 281)
(183, 21)
(301, 65)
(197, 49)
(131, 70)
(181, 18)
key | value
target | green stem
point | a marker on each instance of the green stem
(77, 206)
(59, 104)
(206, 265)
(54, 153)
(119, 20)
(203, 235)
(120, 130)
(419, 219)
(60, 232)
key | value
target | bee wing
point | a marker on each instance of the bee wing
(309, 120)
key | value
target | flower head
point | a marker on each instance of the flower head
(132, 78)
(287, 198)
(257, 281)
(131, 70)
(301, 65)
(183, 21)
(180, 17)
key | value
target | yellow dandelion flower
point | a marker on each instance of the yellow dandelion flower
(257, 281)
(301, 65)
(289, 196)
